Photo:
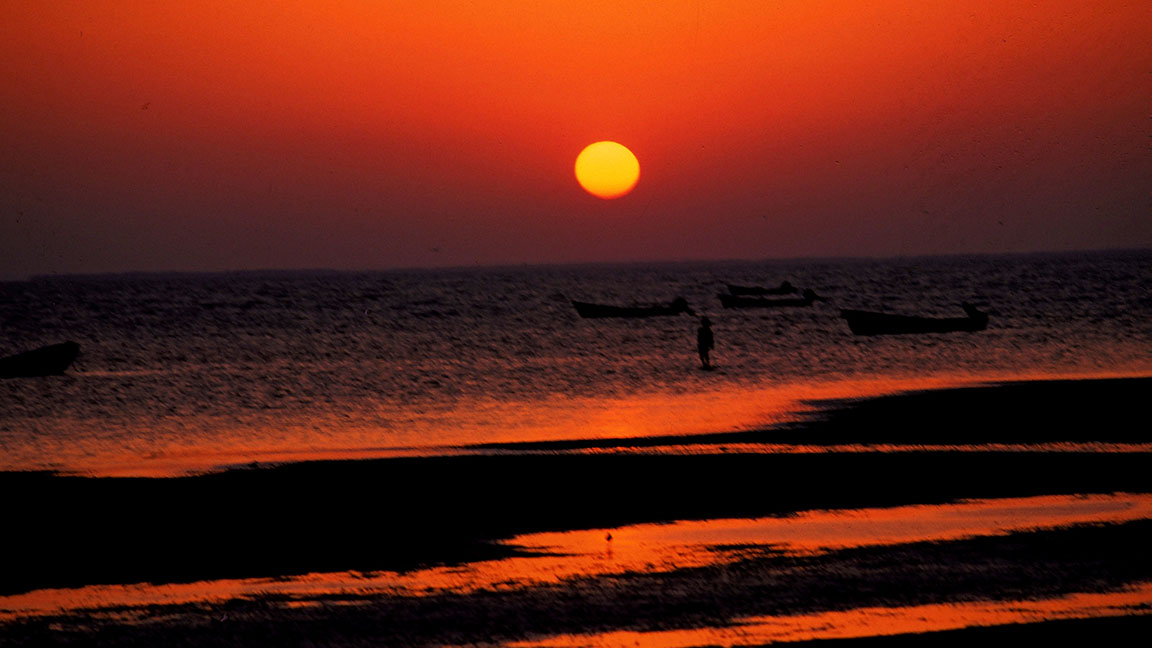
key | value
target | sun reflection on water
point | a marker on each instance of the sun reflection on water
(643, 548)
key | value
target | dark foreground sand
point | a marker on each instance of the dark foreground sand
(1030, 565)
(402, 513)
(1117, 631)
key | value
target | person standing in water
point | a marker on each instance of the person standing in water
(705, 342)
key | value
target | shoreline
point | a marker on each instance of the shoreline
(981, 414)
(402, 514)
(450, 507)
(1040, 567)
(907, 413)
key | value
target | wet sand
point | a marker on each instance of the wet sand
(402, 514)
(656, 607)
(1113, 631)
(399, 514)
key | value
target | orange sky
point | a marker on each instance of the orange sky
(366, 134)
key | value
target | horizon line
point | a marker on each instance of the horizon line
(48, 276)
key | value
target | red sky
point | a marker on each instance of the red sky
(141, 135)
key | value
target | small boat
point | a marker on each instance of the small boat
(870, 323)
(785, 288)
(732, 301)
(45, 361)
(677, 306)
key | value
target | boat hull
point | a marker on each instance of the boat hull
(45, 361)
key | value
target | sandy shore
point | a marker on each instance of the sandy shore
(398, 514)
(1038, 411)
(1113, 631)
(1033, 565)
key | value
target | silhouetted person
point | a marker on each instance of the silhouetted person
(704, 342)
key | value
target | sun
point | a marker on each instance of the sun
(607, 169)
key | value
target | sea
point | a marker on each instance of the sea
(194, 372)
(454, 457)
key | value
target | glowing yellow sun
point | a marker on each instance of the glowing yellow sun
(607, 169)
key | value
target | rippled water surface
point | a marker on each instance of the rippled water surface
(183, 372)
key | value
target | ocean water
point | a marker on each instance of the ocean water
(190, 372)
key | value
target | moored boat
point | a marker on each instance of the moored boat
(675, 307)
(872, 323)
(807, 298)
(45, 361)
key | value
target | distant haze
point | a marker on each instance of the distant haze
(143, 135)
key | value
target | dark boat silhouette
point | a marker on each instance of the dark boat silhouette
(871, 323)
(807, 298)
(785, 288)
(45, 361)
(677, 306)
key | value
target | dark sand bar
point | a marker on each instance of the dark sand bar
(400, 514)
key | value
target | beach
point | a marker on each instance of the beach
(570, 324)
(445, 520)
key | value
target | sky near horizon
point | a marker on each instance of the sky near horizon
(207, 135)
